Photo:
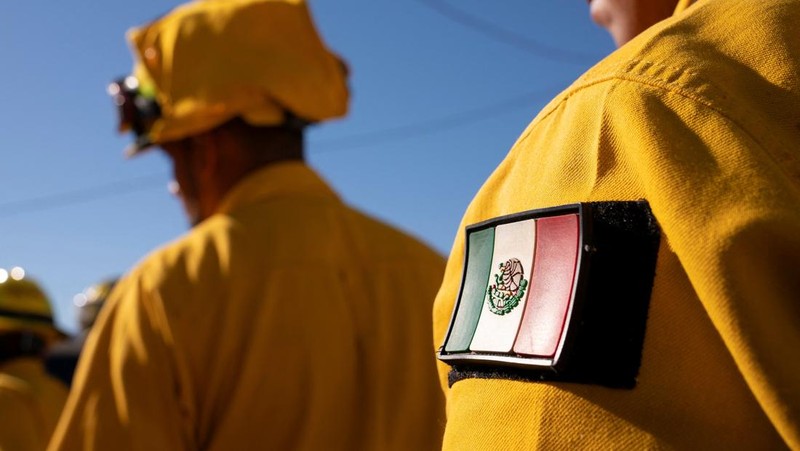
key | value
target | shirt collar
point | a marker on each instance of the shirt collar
(682, 5)
(278, 179)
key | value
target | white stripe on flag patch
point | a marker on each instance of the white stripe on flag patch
(496, 333)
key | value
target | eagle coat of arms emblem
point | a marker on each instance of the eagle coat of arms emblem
(508, 287)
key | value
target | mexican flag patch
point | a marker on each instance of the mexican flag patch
(555, 294)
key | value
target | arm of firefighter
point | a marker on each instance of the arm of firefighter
(731, 212)
(125, 395)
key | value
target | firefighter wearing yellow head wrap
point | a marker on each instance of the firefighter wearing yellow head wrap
(30, 400)
(654, 210)
(284, 319)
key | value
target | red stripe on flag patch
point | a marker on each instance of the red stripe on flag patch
(551, 286)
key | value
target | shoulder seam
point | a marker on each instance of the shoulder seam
(653, 82)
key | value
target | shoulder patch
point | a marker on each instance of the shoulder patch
(556, 294)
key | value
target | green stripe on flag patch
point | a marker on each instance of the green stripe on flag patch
(480, 246)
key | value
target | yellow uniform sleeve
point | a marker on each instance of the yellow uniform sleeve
(729, 207)
(124, 396)
(731, 213)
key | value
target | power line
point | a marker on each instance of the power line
(409, 131)
(509, 37)
(79, 196)
(376, 137)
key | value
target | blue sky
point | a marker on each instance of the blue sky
(440, 91)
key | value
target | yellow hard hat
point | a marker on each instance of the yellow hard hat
(209, 61)
(91, 300)
(24, 306)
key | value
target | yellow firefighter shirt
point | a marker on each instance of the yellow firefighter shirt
(700, 116)
(30, 404)
(285, 321)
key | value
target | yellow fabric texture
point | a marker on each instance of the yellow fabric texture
(30, 404)
(699, 115)
(213, 60)
(286, 321)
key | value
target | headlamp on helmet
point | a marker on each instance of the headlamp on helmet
(137, 107)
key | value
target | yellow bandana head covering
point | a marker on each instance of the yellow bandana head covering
(209, 61)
